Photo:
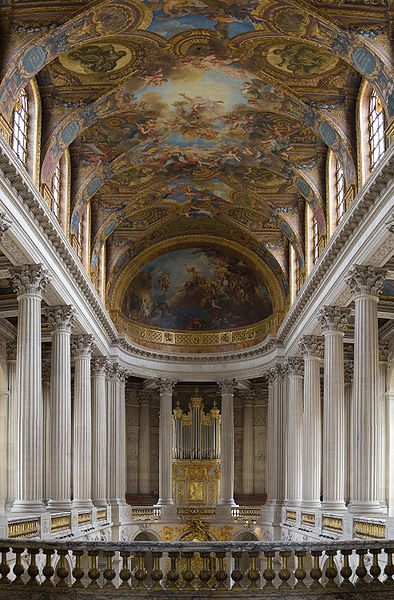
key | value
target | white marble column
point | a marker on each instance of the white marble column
(248, 443)
(311, 347)
(144, 486)
(348, 371)
(12, 424)
(29, 281)
(226, 387)
(46, 427)
(383, 366)
(62, 319)
(82, 423)
(295, 370)
(276, 447)
(116, 436)
(365, 282)
(165, 442)
(99, 431)
(332, 320)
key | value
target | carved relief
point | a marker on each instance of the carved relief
(5, 224)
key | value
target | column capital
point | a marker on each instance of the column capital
(82, 345)
(385, 351)
(294, 366)
(167, 386)
(333, 318)
(99, 365)
(311, 346)
(11, 350)
(276, 373)
(247, 396)
(46, 370)
(348, 367)
(61, 317)
(5, 224)
(116, 372)
(226, 386)
(365, 280)
(29, 279)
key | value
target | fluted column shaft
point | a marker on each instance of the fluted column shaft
(99, 432)
(311, 348)
(365, 282)
(82, 426)
(248, 445)
(295, 369)
(383, 364)
(165, 442)
(227, 443)
(62, 319)
(11, 424)
(276, 444)
(29, 281)
(332, 320)
(144, 486)
(116, 432)
(348, 429)
(46, 420)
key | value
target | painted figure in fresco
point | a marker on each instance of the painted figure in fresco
(301, 59)
(195, 212)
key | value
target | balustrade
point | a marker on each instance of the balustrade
(195, 566)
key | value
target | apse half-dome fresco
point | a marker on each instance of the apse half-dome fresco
(198, 288)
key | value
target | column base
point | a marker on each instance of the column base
(59, 505)
(228, 502)
(28, 506)
(164, 502)
(359, 507)
(311, 504)
(85, 504)
(329, 505)
(100, 502)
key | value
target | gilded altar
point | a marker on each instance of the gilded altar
(196, 454)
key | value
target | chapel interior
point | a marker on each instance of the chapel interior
(196, 280)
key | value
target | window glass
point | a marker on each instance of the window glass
(19, 136)
(376, 129)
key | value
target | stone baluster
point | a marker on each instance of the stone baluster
(226, 387)
(311, 347)
(165, 442)
(62, 319)
(29, 282)
(248, 443)
(144, 486)
(332, 320)
(295, 370)
(82, 425)
(12, 424)
(365, 282)
(383, 386)
(348, 371)
(99, 431)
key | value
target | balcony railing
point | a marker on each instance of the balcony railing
(357, 568)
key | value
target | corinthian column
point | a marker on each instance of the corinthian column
(348, 370)
(62, 319)
(275, 435)
(248, 443)
(12, 423)
(116, 437)
(311, 347)
(226, 387)
(144, 487)
(383, 365)
(165, 441)
(365, 282)
(332, 320)
(29, 281)
(82, 441)
(295, 370)
(99, 431)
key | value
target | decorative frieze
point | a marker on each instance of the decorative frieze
(332, 524)
(308, 519)
(365, 280)
(369, 530)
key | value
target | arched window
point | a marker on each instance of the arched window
(375, 129)
(19, 134)
(315, 240)
(56, 191)
(339, 192)
(79, 240)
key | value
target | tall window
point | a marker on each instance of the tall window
(56, 192)
(339, 191)
(79, 239)
(315, 239)
(19, 137)
(375, 129)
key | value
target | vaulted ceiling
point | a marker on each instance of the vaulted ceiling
(196, 122)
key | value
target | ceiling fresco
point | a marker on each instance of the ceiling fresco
(192, 118)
